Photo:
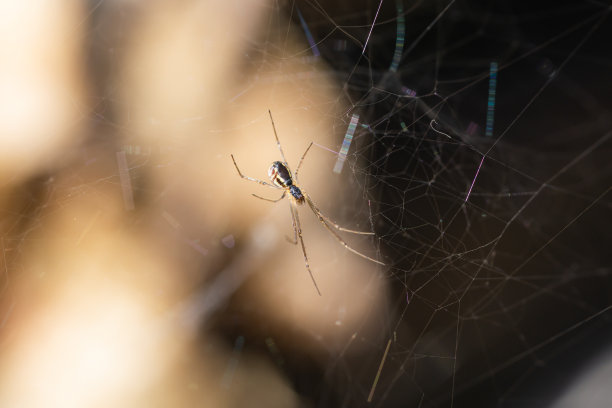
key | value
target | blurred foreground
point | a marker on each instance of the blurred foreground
(127, 235)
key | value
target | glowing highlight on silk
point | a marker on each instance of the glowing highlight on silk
(491, 101)
(399, 40)
(348, 138)
(313, 46)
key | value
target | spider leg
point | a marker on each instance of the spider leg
(268, 199)
(333, 224)
(251, 178)
(298, 231)
(301, 160)
(293, 241)
(276, 136)
(339, 228)
(316, 211)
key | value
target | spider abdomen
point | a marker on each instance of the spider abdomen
(280, 174)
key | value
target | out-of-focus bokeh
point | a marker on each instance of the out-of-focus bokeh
(126, 230)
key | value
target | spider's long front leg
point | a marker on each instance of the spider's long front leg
(316, 211)
(293, 241)
(339, 228)
(330, 222)
(298, 231)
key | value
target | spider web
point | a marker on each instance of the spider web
(499, 265)
(483, 150)
(474, 138)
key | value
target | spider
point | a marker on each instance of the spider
(282, 179)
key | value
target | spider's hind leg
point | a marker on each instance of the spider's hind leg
(269, 199)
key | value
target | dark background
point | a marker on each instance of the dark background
(521, 272)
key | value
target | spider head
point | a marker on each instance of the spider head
(297, 195)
